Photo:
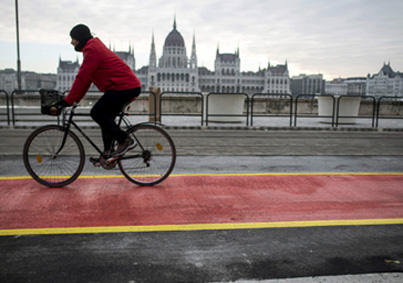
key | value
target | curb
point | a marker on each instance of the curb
(244, 128)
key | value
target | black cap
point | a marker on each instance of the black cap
(82, 34)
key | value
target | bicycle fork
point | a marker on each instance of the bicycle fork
(66, 132)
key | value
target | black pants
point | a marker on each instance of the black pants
(106, 109)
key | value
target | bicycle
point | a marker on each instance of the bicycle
(54, 155)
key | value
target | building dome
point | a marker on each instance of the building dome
(174, 38)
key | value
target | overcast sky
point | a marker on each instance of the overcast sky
(340, 38)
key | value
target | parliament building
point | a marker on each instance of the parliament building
(174, 71)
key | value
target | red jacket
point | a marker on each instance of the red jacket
(102, 67)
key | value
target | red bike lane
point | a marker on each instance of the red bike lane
(204, 201)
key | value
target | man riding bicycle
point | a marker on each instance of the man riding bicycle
(110, 75)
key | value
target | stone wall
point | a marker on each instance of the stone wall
(175, 104)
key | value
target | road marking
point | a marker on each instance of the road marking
(199, 227)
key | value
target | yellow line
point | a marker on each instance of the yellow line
(199, 227)
(15, 177)
(228, 174)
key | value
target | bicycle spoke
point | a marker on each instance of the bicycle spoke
(157, 153)
(42, 163)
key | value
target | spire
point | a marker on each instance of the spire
(153, 57)
(152, 43)
(194, 45)
(193, 57)
(175, 21)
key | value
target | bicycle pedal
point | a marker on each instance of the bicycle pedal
(112, 159)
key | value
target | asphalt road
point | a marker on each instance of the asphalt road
(207, 256)
(223, 255)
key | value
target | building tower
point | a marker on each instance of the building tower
(173, 72)
(152, 70)
(227, 71)
(193, 57)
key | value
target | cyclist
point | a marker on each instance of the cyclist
(110, 75)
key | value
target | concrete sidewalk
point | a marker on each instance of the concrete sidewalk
(249, 142)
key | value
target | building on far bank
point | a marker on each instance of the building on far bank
(307, 84)
(385, 83)
(176, 72)
(356, 86)
(336, 87)
(66, 72)
(29, 80)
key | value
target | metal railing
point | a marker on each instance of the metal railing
(7, 110)
(269, 96)
(20, 112)
(227, 114)
(197, 95)
(383, 98)
(86, 112)
(358, 116)
(314, 116)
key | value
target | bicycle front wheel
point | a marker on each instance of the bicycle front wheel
(49, 161)
(152, 160)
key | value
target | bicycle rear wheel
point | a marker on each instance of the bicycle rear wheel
(152, 160)
(44, 165)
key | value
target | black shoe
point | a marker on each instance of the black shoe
(95, 160)
(125, 146)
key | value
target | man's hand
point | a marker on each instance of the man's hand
(57, 108)
(62, 103)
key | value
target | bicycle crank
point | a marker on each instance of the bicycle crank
(109, 163)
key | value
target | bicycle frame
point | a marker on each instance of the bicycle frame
(150, 162)
(67, 127)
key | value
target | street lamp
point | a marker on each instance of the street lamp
(18, 47)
